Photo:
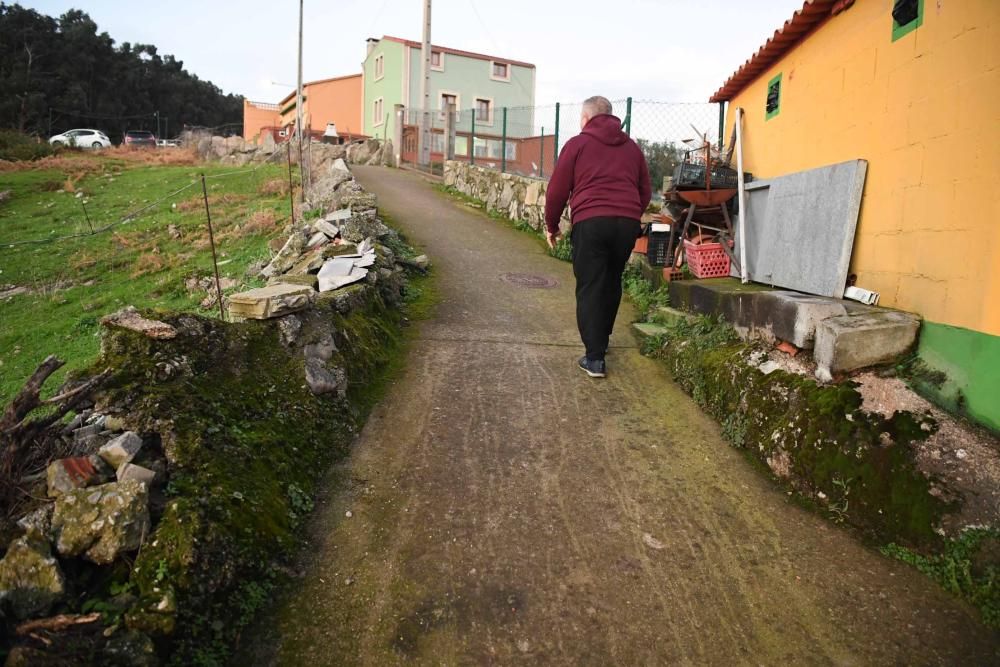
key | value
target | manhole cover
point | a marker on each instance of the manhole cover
(529, 280)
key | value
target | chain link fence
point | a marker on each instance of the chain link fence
(527, 140)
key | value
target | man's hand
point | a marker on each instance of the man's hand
(553, 239)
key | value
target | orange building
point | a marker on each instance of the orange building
(326, 102)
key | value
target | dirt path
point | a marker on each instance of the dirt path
(505, 508)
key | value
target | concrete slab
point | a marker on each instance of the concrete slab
(647, 330)
(850, 342)
(800, 228)
(271, 301)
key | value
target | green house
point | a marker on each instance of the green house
(467, 80)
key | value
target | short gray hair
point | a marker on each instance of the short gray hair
(596, 105)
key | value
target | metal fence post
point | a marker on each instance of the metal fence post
(557, 133)
(449, 130)
(628, 117)
(503, 144)
(472, 139)
(541, 152)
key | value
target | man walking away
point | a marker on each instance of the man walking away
(603, 174)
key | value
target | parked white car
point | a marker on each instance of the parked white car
(82, 139)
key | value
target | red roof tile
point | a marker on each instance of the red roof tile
(803, 21)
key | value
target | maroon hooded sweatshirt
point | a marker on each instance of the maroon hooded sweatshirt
(602, 173)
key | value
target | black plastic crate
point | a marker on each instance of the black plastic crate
(691, 176)
(657, 251)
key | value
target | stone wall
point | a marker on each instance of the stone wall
(516, 197)
(238, 151)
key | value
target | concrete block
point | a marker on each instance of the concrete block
(794, 316)
(271, 301)
(850, 342)
(668, 315)
(121, 450)
(647, 330)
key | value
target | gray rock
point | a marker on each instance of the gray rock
(322, 380)
(131, 648)
(289, 328)
(131, 471)
(323, 349)
(328, 229)
(103, 521)
(338, 216)
(37, 522)
(30, 578)
(286, 257)
(65, 475)
(361, 227)
(121, 450)
(317, 239)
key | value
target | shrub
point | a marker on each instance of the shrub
(16, 147)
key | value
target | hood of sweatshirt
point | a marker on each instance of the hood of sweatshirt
(607, 129)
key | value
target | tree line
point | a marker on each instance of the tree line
(61, 73)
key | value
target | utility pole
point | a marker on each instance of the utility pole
(424, 147)
(298, 104)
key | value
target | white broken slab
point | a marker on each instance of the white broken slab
(129, 318)
(271, 301)
(368, 259)
(136, 472)
(332, 281)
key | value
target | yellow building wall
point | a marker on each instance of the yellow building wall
(925, 112)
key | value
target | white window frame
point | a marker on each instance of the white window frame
(458, 105)
(438, 68)
(379, 67)
(492, 108)
(494, 77)
(378, 105)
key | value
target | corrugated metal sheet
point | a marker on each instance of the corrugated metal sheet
(784, 38)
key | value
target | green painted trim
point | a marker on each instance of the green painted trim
(768, 115)
(970, 363)
(901, 30)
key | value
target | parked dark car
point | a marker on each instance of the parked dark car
(139, 139)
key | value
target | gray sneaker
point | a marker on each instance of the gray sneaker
(595, 369)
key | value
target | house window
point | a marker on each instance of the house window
(378, 112)
(379, 66)
(448, 99)
(484, 111)
(773, 103)
(511, 150)
(907, 16)
(437, 61)
(500, 71)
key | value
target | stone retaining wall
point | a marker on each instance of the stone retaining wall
(516, 197)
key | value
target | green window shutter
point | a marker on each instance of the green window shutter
(907, 16)
(772, 104)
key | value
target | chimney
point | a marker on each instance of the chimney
(371, 45)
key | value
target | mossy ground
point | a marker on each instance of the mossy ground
(247, 443)
(855, 467)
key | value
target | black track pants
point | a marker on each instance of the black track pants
(601, 248)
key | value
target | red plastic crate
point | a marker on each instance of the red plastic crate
(707, 260)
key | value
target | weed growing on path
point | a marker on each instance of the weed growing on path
(963, 568)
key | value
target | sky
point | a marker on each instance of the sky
(663, 50)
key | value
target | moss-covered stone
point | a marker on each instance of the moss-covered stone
(246, 440)
(856, 466)
(31, 580)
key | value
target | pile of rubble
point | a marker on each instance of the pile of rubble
(100, 512)
(238, 151)
(344, 243)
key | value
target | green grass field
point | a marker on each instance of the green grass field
(144, 262)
